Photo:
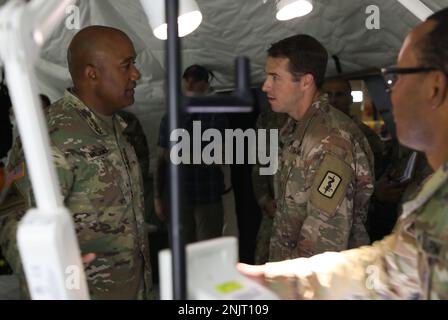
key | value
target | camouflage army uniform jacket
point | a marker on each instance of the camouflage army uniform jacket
(323, 185)
(101, 184)
(101, 180)
(411, 263)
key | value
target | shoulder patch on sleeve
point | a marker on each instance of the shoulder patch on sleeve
(330, 184)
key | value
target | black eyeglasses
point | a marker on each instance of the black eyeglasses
(391, 75)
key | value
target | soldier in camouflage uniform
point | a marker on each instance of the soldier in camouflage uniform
(14, 203)
(264, 189)
(340, 97)
(98, 169)
(325, 174)
(411, 263)
(13, 200)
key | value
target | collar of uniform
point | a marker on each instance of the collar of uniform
(320, 104)
(301, 125)
(429, 188)
(84, 111)
(121, 120)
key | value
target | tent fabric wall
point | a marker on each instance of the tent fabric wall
(231, 28)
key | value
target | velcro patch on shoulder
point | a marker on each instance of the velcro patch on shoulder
(330, 184)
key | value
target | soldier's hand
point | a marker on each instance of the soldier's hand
(270, 206)
(88, 258)
(388, 191)
(255, 273)
(160, 209)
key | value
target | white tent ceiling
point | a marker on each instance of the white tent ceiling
(231, 28)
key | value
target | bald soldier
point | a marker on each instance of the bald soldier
(98, 169)
(325, 178)
(411, 263)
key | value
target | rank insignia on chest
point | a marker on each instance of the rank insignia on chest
(329, 184)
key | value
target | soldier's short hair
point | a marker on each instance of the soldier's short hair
(197, 73)
(434, 47)
(347, 84)
(305, 54)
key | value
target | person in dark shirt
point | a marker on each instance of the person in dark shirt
(203, 183)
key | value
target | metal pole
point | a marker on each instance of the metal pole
(174, 102)
(242, 79)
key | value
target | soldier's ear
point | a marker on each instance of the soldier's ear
(438, 92)
(308, 80)
(90, 72)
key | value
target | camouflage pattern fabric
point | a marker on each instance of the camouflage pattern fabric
(376, 145)
(137, 138)
(13, 201)
(263, 187)
(323, 185)
(12, 209)
(263, 239)
(411, 263)
(101, 182)
(13, 205)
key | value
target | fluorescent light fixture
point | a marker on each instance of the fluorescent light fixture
(358, 96)
(418, 8)
(290, 9)
(189, 19)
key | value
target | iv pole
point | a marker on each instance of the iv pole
(46, 236)
(241, 101)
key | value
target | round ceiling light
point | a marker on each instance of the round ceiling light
(290, 9)
(189, 19)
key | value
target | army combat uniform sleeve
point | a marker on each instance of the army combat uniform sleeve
(323, 185)
(411, 263)
(13, 204)
(386, 270)
(339, 179)
(19, 199)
